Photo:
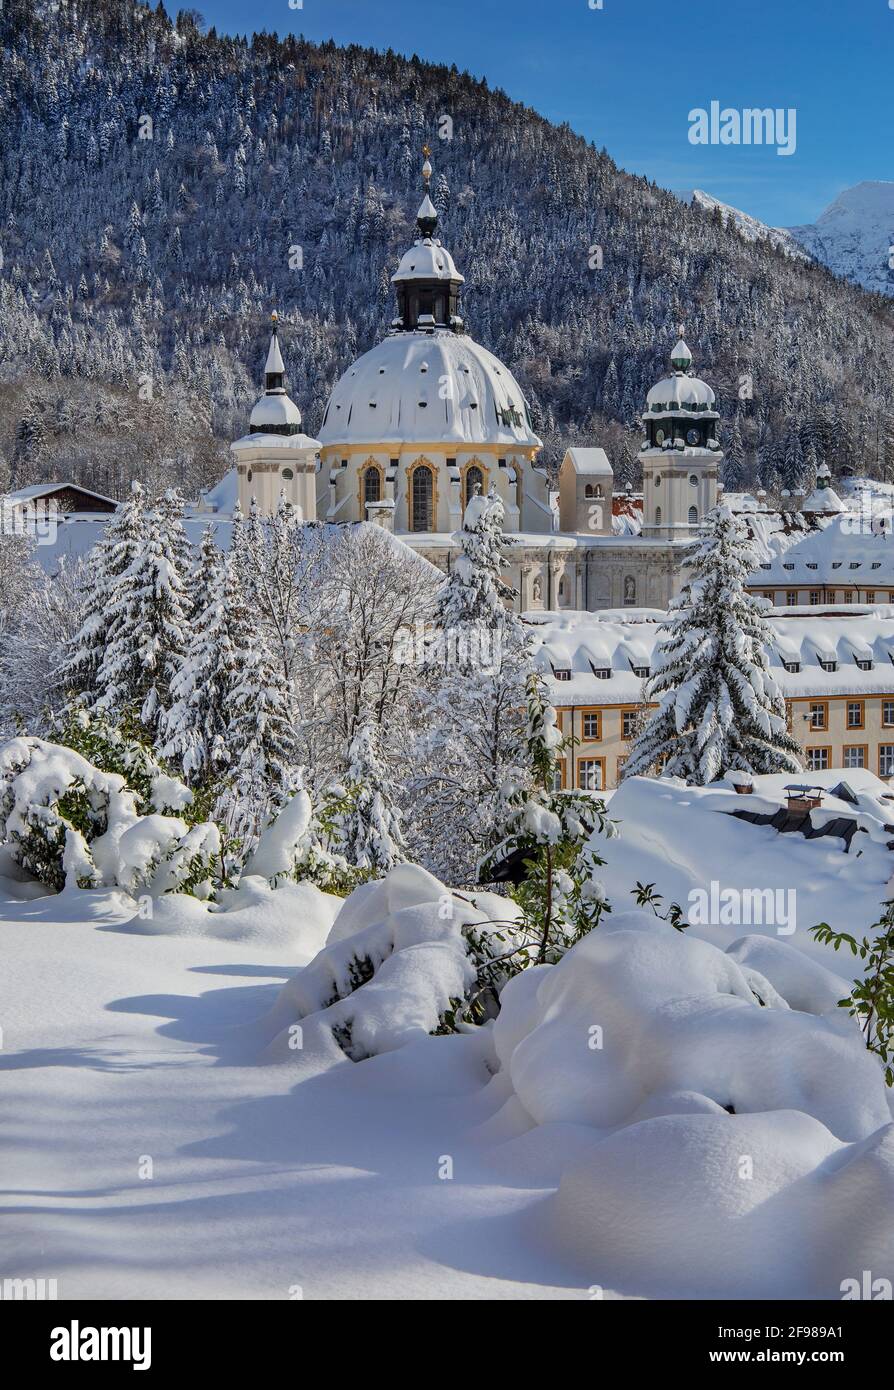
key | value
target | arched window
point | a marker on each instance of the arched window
(693, 516)
(422, 498)
(598, 492)
(657, 516)
(693, 479)
(474, 478)
(658, 480)
(588, 490)
(372, 485)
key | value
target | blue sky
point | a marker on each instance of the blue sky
(627, 76)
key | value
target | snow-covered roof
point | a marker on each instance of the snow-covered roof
(429, 388)
(823, 499)
(589, 461)
(681, 391)
(427, 260)
(34, 490)
(258, 439)
(274, 408)
(626, 638)
(221, 499)
(844, 550)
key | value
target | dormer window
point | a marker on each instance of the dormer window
(561, 673)
(793, 667)
(643, 672)
(828, 663)
(602, 673)
(864, 663)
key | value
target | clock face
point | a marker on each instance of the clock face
(660, 436)
(692, 437)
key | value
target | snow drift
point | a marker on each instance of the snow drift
(397, 961)
(739, 1147)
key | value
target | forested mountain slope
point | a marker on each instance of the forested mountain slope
(155, 177)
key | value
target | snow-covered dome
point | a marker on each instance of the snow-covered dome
(275, 412)
(428, 388)
(427, 260)
(680, 391)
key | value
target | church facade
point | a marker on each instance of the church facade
(428, 417)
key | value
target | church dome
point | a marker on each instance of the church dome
(276, 413)
(428, 388)
(681, 392)
(427, 260)
(428, 382)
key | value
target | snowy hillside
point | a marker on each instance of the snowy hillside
(158, 184)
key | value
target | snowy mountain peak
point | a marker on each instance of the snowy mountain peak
(854, 237)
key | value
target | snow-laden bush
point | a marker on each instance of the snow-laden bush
(737, 1146)
(399, 964)
(301, 841)
(69, 823)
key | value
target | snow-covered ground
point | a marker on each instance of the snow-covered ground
(660, 1115)
(122, 1046)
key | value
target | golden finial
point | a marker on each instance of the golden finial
(426, 151)
(275, 318)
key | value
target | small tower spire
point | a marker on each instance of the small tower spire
(274, 369)
(427, 216)
(681, 357)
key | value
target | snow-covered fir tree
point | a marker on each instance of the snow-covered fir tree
(261, 739)
(473, 714)
(194, 731)
(369, 834)
(108, 561)
(719, 708)
(150, 610)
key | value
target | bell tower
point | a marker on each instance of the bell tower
(275, 457)
(681, 453)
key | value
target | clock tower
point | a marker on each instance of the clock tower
(681, 453)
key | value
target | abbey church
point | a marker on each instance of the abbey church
(429, 416)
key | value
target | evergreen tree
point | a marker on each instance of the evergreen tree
(369, 832)
(150, 611)
(195, 729)
(108, 561)
(720, 710)
(262, 741)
